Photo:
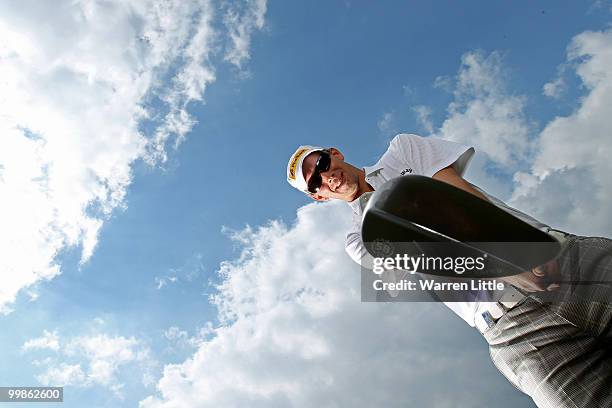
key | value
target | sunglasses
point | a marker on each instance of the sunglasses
(323, 163)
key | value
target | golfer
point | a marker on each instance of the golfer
(560, 353)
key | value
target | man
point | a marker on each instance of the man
(560, 354)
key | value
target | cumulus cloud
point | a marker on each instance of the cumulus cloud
(67, 374)
(557, 174)
(49, 340)
(568, 181)
(85, 361)
(485, 114)
(293, 332)
(78, 80)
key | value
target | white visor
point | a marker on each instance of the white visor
(295, 176)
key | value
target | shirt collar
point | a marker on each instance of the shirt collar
(359, 204)
(371, 170)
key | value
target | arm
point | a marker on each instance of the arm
(539, 279)
(356, 250)
(449, 175)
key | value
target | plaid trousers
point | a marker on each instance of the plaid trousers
(560, 352)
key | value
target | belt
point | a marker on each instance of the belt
(488, 313)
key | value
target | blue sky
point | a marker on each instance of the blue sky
(252, 81)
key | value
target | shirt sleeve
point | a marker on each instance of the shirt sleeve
(356, 249)
(354, 245)
(428, 155)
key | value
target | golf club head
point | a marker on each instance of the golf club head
(419, 215)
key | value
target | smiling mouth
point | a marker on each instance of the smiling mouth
(341, 181)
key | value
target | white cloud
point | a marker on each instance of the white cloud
(560, 173)
(191, 79)
(65, 374)
(600, 5)
(161, 281)
(187, 272)
(555, 88)
(423, 114)
(568, 182)
(85, 361)
(49, 340)
(32, 295)
(386, 122)
(241, 22)
(75, 92)
(173, 333)
(178, 338)
(485, 114)
(443, 82)
(105, 355)
(294, 333)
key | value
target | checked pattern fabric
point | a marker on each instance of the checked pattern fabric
(559, 352)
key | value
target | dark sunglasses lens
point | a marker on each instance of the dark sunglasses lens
(323, 162)
(314, 184)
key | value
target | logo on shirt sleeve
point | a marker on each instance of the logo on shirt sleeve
(405, 171)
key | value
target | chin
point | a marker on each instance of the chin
(351, 192)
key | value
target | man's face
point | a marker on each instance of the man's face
(341, 181)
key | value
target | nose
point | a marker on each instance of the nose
(331, 179)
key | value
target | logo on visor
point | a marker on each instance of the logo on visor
(294, 162)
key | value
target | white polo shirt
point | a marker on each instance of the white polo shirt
(412, 154)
